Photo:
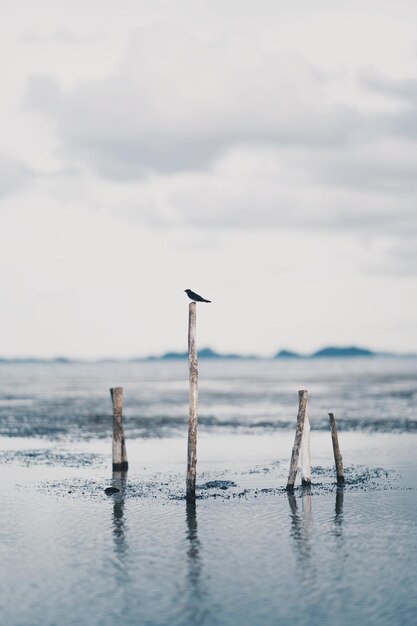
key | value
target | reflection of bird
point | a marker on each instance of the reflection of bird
(195, 296)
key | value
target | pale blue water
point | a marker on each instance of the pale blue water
(375, 394)
(248, 556)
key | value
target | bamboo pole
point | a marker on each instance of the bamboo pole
(305, 451)
(336, 451)
(302, 405)
(193, 401)
(119, 453)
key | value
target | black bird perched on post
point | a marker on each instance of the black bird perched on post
(195, 296)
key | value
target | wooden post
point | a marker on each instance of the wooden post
(302, 400)
(336, 451)
(119, 446)
(193, 400)
(305, 451)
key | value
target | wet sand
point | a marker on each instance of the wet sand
(245, 553)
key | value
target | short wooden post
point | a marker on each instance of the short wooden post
(305, 451)
(119, 446)
(302, 400)
(336, 451)
(193, 401)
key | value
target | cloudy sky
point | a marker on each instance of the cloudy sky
(261, 153)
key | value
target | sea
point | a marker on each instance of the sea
(246, 552)
(57, 400)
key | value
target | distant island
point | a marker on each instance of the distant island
(329, 352)
(204, 353)
(336, 352)
(287, 354)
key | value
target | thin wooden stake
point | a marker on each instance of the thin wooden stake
(302, 405)
(305, 451)
(193, 401)
(336, 451)
(119, 446)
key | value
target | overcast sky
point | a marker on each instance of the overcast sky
(263, 154)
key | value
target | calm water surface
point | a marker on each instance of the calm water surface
(375, 394)
(70, 555)
(332, 559)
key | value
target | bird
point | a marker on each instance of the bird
(194, 296)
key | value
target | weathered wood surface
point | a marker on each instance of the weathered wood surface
(336, 451)
(305, 451)
(193, 402)
(302, 406)
(119, 446)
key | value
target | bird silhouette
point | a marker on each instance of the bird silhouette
(194, 296)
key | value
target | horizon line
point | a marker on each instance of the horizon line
(207, 352)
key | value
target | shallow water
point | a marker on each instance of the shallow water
(86, 558)
(247, 553)
(61, 400)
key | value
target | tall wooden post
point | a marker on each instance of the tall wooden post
(193, 401)
(305, 451)
(336, 451)
(119, 446)
(302, 406)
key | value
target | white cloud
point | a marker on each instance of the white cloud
(230, 147)
(60, 36)
(258, 187)
(178, 103)
(14, 175)
(221, 133)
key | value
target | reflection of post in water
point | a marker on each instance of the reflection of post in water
(306, 505)
(339, 505)
(307, 518)
(196, 609)
(119, 482)
(295, 518)
(301, 525)
(193, 552)
(338, 517)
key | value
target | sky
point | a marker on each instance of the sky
(263, 154)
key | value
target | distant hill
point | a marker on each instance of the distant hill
(330, 352)
(350, 351)
(204, 353)
(169, 355)
(209, 353)
(287, 354)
